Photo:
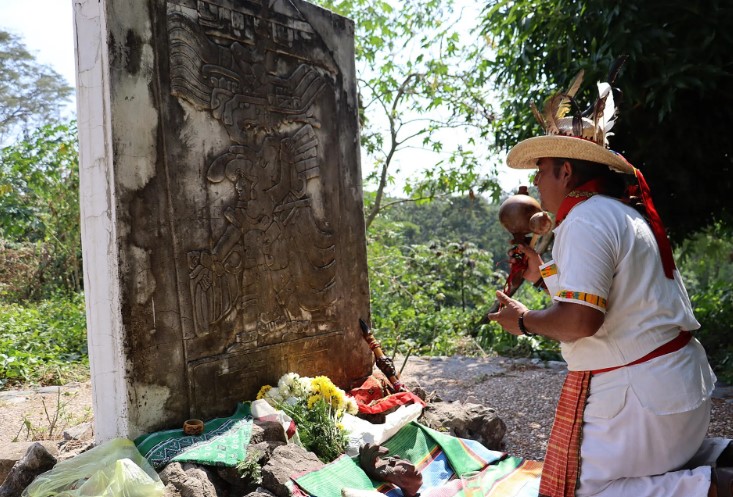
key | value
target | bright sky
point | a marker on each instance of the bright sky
(47, 30)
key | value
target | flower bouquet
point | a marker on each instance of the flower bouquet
(316, 406)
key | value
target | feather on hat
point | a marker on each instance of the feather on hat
(576, 136)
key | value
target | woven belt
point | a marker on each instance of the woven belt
(672, 346)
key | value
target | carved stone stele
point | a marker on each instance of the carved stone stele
(221, 202)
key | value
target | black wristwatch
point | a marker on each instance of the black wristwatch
(522, 328)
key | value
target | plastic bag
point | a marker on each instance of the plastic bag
(113, 469)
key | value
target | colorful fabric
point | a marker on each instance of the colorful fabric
(562, 459)
(371, 397)
(440, 458)
(548, 271)
(223, 442)
(578, 195)
(583, 297)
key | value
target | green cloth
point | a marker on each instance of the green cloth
(415, 443)
(223, 442)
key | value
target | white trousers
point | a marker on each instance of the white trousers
(620, 452)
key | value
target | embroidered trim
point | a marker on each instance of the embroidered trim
(585, 297)
(581, 194)
(548, 270)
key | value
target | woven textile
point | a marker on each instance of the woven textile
(440, 458)
(223, 442)
(562, 460)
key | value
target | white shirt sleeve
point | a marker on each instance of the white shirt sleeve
(586, 260)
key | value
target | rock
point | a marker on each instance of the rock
(12, 452)
(267, 431)
(265, 449)
(472, 421)
(72, 448)
(285, 461)
(36, 460)
(260, 492)
(84, 431)
(190, 480)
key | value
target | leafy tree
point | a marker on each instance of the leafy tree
(463, 219)
(31, 94)
(39, 204)
(706, 262)
(675, 113)
(417, 91)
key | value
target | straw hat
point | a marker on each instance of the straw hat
(575, 137)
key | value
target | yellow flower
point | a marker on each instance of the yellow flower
(263, 391)
(312, 400)
(321, 384)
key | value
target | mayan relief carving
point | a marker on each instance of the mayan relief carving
(272, 268)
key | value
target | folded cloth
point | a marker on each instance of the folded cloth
(372, 397)
(437, 456)
(362, 431)
(223, 442)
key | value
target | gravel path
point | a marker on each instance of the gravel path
(523, 393)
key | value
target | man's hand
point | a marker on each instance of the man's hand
(532, 273)
(508, 314)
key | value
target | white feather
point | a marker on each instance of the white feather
(608, 119)
(609, 111)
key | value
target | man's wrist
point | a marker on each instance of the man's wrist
(540, 284)
(522, 327)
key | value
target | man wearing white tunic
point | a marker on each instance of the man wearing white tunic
(635, 409)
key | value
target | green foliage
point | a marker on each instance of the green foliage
(468, 219)
(706, 261)
(676, 105)
(43, 343)
(416, 90)
(31, 93)
(250, 469)
(318, 428)
(39, 212)
(492, 337)
(426, 298)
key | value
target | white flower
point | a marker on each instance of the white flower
(304, 387)
(288, 384)
(351, 406)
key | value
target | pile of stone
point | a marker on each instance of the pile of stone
(270, 459)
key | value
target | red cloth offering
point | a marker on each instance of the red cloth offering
(373, 397)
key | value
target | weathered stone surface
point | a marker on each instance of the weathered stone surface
(221, 203)
(267, 431)
(83, 431)
(37, 460)
(260, 492)
(285, 461)
(191, 480)
(69, 449)
(11, 453)
(471, 421)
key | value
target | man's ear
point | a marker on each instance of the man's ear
(566, 172)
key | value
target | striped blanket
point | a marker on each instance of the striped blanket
(440, 458)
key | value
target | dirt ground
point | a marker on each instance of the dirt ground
(44, 413)
(523, 393)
